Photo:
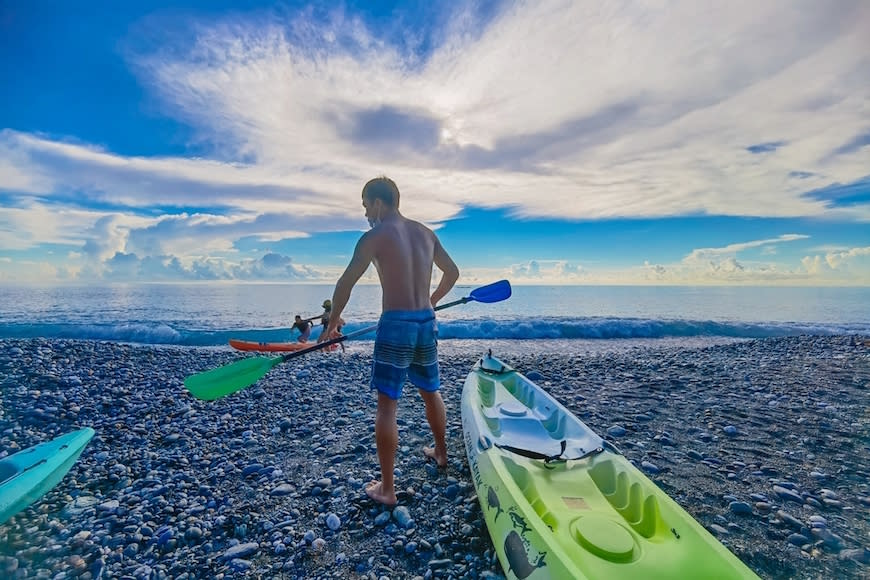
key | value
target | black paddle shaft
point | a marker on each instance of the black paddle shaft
(359, 332)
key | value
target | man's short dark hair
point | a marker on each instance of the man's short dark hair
(384, 189)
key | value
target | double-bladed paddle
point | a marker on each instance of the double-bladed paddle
(225, 380)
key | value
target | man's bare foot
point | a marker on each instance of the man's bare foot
(373, 490)
(440, 459)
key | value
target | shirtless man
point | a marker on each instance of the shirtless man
(403, 252)
(304, 328)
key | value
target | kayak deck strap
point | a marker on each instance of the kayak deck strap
(550, 458)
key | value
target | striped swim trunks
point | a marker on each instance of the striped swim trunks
(405, 347)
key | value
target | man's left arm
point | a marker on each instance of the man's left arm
(450, 272)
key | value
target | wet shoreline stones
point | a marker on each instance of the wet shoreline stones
(766, 443)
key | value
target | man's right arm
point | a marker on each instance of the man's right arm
(450, 272)
(363, 255)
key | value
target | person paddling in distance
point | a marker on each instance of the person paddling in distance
(404, 253)
(304, 328)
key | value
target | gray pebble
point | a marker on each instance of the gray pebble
(740, 508)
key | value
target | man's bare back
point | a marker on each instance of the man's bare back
(403, 253)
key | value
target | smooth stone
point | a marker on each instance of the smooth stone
(818, 522)
(860, 555)
(240, 551)
(403, 517)
(616, 431)
(813, 502)
(251, 469)
(108, 506)
(282, 490)
(798, 539)
(740, 508)
(829, 539)
(650, 467)
(333, 522)
(787, 494)
(789, 520)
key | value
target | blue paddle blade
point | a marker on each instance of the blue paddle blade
(495, 292)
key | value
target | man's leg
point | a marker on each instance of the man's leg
(436, 415)
(387, 440)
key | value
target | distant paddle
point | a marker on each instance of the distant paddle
(228, 379)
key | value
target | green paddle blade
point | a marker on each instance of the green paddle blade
(216, 383)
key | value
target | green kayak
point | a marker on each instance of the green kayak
(29, 474)
(560, 502)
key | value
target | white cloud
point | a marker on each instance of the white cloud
(847, 258)
(554, 108)
(609, 111)
(715, 256)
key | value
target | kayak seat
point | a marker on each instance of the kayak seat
(628, 496)
(525, 433)
(486, 389)
(7, 471)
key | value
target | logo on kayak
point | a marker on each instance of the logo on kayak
(516, 548)
(493, 503)
(472, 455)
(518, 556)
(519, 522)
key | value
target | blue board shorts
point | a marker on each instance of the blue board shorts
(405, 347)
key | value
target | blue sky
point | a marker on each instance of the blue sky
(547, 141)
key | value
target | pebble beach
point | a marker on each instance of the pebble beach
(765, 442)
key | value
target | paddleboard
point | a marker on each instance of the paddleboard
(31, 473)
(251, 346)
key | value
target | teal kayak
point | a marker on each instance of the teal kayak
(561, 502)
(31, 473)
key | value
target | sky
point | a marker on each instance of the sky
(547, 142)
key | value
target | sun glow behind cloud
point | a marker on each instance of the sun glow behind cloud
(553, 109)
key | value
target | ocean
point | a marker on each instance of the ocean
(210, 314)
